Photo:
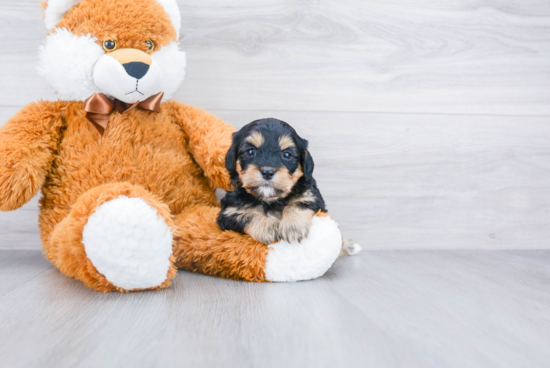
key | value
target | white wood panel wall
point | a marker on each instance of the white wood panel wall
(429, 121)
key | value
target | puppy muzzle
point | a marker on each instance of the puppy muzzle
(129, 75)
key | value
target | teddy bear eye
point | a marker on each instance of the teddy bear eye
(150, 45)
(109, 45)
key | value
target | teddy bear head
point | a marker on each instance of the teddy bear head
(125, 49)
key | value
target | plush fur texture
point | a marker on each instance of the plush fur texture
(129, 22)
(204, 247)
(67, 251)
(166, 164)
(129, 243)
(130, 82)
(309, 259)
(172, 62)
(66, 62)
(177, 155)
(173, 11)
(74, 62)
(54, 10)
(27, 143)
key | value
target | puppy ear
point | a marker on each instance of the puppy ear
(305, 157)
(232, 154)
(308, 165)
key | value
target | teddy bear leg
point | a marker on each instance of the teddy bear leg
(116, 237)
(201, 246)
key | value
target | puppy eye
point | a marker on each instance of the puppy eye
(150, 45)
(286, 156)
(251, 152)
(109, 45)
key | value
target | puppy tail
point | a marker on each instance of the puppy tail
(349, 247)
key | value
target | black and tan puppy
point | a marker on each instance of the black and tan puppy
(275, 195)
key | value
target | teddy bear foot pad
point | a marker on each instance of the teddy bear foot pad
(310, 259)
(129, 243)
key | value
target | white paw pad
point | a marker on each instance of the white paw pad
(306, 260)
(129, 243)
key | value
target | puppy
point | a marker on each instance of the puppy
(275, 194)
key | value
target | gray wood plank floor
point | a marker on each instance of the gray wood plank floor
(379, 309)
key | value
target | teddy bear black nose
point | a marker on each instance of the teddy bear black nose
(136, 69)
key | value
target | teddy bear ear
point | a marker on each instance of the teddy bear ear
(173, 11)
(56, 9)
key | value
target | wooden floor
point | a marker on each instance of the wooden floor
(436, 309)
(429, 124)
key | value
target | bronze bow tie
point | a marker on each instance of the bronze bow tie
(99, 108)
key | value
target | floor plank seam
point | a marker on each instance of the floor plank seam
(15, 287)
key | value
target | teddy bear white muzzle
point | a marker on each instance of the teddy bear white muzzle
(129, 75)
(77, 67)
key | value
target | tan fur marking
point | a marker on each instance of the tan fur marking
(307, 197)
(256, 139)
(243, 214)
(286, 142)
(251, 177)
(284, 181)
(263, 228)
(295, 224)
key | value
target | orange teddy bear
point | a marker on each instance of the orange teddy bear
(128, 180)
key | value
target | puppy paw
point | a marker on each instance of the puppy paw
(268, 237)
(308, 260)
(263, 233)
(294, 232)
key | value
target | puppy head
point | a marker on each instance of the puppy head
(126, 49)
(267, 158)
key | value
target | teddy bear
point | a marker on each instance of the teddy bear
(128, 176)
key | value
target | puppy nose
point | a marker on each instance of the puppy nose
(267, 173)
(136, 69)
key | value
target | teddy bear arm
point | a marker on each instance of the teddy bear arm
(209, 138)
(27, 143)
